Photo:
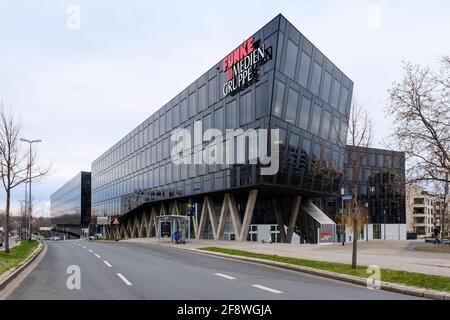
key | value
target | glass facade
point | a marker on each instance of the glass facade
(382, 185)
(298, 91)
(71, 204)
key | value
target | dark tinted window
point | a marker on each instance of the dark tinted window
(183, 110)
(218, 119)
(262, 100)
(304, 113)
(326, 124)
(192, 106)
(231, 115)
(212, 91)
(304, 70)
(344, 98)
(315, 121)
(278, 98)
(176, 115)
(246, 108)
(291, 106)
(326, 86)
(315, 82)
(335, 94)
(291, 59)
(202, 98)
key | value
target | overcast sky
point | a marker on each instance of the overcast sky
(82, 89)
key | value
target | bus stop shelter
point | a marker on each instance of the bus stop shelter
(168, 225)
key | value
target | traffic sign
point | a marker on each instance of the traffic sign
(347, 198)
(116, 221)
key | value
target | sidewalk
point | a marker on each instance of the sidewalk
(396, 255)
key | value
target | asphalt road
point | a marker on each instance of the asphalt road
(141, 271)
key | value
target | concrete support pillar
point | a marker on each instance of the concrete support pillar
(293, 218)
(229, 206)
(248, 215)
(212, 216)
(280, 220)
(222, 218)
(162, 210)
(176, 209)
(153, 222)
(202, 222)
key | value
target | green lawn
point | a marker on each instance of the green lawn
(438, 283)
(16, 255)
(434, 248)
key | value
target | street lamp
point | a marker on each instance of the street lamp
(30, 142)
(367, 221)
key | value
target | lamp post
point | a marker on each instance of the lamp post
(22, 211)
(384, 215)
(367, 221)
(30, 142)
(342, 214)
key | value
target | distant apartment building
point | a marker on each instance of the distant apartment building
(423, 210)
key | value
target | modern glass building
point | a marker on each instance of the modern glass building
(382, 185)
(277, 79)
(70, 205)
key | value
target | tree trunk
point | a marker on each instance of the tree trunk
(8, 199)
(355, 235)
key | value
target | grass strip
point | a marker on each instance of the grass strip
(16, 255)
(419, 280)
(434, 248)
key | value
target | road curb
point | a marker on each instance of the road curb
(392, 287)
(11, 274)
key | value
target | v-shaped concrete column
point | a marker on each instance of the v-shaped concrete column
(229, 206)
(207, 210)
(248, 215)
(280, 220)
(153, 223)
(293, 218)
(212, 216)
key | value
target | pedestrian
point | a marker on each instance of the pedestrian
(437, 231)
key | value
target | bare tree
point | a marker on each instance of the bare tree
(420, 107)
(13, 161)
(359, 139)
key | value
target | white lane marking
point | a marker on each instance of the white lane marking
(128, 283)
(225, 276)
(107, 263)
(266, 288)
(84, 248)
(97, 256)
(90, 251)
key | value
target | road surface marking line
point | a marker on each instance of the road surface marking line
(90, 251)
(107, 263)
(84, 248)
(97, 256)
(225, 276)
(128, 283)
(266, 288)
